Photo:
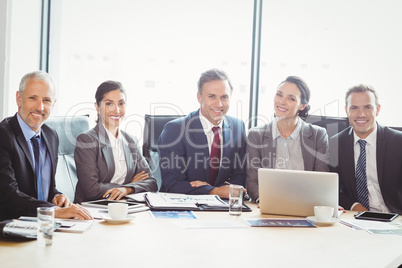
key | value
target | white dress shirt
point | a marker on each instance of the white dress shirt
(288, 151)
(375, 197)
(120, 171)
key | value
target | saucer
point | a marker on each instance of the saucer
(314, 220)
(120, 221)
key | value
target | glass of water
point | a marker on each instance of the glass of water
(45, 226)
(235, 199)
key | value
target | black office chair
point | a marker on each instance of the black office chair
(67, 128)
(153, 128)
(333, 125)
(397, 128)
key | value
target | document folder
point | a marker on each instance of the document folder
(168, 201)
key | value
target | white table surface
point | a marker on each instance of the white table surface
(149, 242)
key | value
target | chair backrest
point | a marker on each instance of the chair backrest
(67, 128)
(333, 125)
(397, 128)
(153, 128)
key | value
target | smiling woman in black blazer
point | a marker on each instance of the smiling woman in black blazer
(108, 160)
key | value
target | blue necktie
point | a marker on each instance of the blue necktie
(38, 172)
(361, 177)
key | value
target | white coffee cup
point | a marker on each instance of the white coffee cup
(117, 211)
(323, 213)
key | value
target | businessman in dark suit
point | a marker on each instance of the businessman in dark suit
(204, 152)
(20, 191)
(382, 150)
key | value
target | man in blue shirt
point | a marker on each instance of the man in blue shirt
(28, 155)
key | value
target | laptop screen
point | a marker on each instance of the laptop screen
(296, 192)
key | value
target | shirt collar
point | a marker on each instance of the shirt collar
(207, 125)
(370, 139)
(276, 134)
(26, 130)
(111, 137)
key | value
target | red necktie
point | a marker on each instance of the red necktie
(215, 156)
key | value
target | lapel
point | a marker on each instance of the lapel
(268, 147)
(307, 145)
(380, 154)
(128, 156)
(50, 150)
(106, 151)
(346, 145)
(15, 126)
(227, 141)
(198, 140)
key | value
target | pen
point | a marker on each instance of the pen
(107, 196)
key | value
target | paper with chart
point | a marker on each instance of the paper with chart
(184, 201)
(375, 227)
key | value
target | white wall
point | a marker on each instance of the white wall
(20, 22)
(4, 25)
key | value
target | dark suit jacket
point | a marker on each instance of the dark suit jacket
(184, 155)
(261, 150)
(389, 166)
(95, 165)
(18, 192)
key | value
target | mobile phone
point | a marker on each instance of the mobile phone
(375, 216)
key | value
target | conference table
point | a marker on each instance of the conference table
(150, 242)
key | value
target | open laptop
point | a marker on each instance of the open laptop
(296, 192)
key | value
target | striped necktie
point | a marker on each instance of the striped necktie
(361, 177)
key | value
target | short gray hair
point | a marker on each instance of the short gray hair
(37, 76)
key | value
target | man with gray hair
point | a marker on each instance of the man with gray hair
(28, 155)
(367, 157)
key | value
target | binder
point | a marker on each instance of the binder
(180, 202)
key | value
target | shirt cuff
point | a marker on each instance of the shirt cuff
(354, 204)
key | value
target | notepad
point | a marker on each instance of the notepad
(265, 222)
(63, 225)
(173, 215)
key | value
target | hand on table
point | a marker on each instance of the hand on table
(61, 200)
(117, 193)
(222, 191)
(74, 211)
(359, 207)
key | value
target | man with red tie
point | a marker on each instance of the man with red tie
(205, 151)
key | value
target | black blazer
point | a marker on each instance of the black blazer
(389, 166)
(18, 192)
(93, 157)
(184, 154)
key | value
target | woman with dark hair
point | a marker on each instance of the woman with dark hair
(287, 142)
(109, 163)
